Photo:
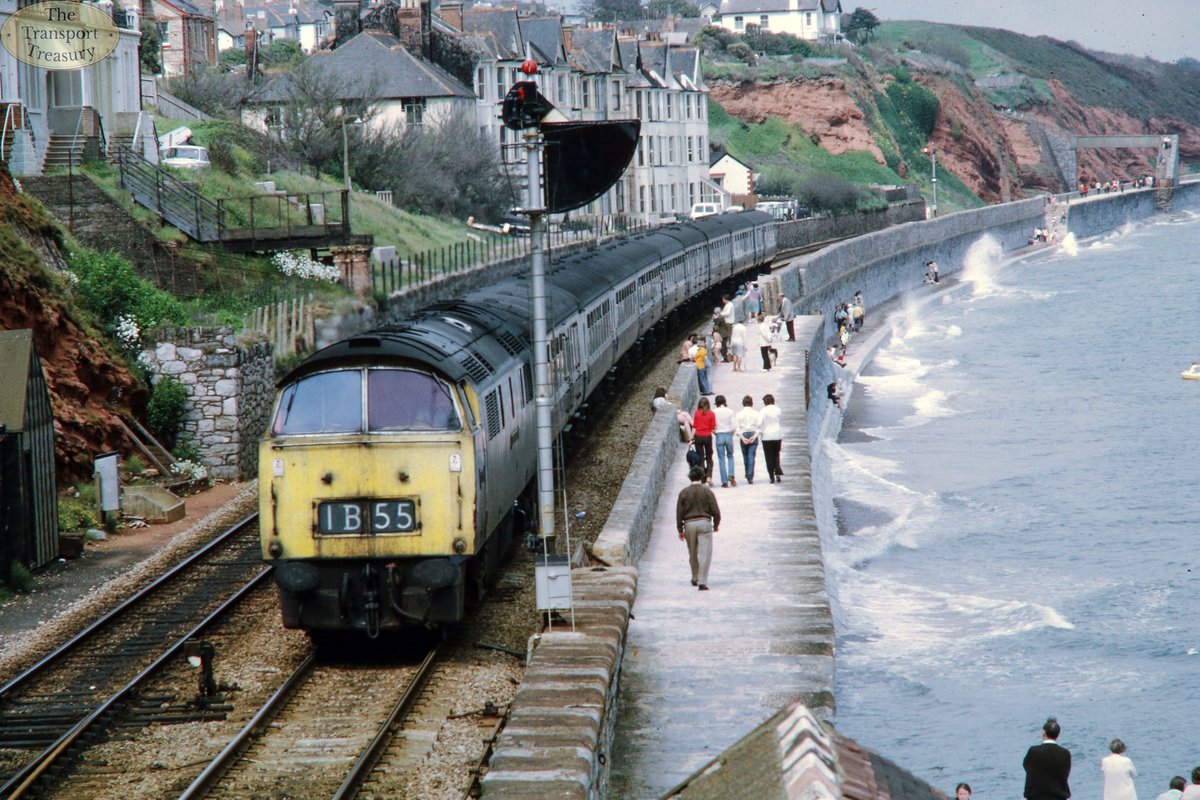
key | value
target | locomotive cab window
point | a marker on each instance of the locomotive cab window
(403, 400)
(328, 402)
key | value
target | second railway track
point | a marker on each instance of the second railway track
(64, 701)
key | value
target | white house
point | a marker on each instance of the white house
(732, 175)
(93, 106)
(812, 20)
(404, 90)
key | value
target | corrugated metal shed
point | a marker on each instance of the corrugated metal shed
(28, 496)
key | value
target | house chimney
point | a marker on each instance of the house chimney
(452, 14)
(347, 20)
(427, 30)
(251, 45)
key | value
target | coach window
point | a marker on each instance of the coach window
(328, 402)
(404, 400)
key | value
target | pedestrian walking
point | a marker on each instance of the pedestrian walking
(704, 422)
(788, 315)
(1048, 766)
(700, 355)
(747, 423)
(723, 442)
(772, 437)
(697, 518)
(760, 334)
(728, 317)
(737, 346)
(1118, 772)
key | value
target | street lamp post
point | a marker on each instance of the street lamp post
(932, 153)
(346, 151)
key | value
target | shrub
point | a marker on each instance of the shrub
(186, 450)
(134, 466)
(75, 514)
(917, 104)
(166, 409)
(109, 288)
(222, 155)
(20, 578)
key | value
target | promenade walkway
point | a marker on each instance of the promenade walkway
(703, 669)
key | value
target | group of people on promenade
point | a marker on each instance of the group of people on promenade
(1048, 771)
(697, 513)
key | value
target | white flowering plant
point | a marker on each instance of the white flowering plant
(300, 265)
(190, 470)
(129, 333)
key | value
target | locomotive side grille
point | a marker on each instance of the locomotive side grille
(492, 407)
(527, 381)
(476, 367)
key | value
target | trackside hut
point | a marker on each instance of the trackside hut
(28, 501)
(401, 89)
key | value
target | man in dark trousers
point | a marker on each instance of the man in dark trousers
(697, 516)
(1048, 766)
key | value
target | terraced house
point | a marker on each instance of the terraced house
(600, 73)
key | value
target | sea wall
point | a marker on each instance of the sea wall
(560, 755)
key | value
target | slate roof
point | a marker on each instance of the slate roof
(498, 28)
(592, 50)
(374, 56)
(774, 6)
(545, 35)
(187, 8)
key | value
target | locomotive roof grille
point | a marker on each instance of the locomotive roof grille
(476, 366)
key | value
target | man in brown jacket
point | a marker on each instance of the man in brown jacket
(697, 517)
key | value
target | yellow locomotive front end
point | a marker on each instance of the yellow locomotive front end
(368, 497)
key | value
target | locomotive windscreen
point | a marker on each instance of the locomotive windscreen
(402, 400)
(328, 402)
(397, 400)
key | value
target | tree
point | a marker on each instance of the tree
(661, 9)
(613, 10)
(318, 100)
(861, 26)
(151, 44)
(446, 167)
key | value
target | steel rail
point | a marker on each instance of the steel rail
(132, 601)
(212, 774)
(35, 769)
(370, 757)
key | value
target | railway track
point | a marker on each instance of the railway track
(74, 696)
(319, 735)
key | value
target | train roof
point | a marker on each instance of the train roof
(470, 337)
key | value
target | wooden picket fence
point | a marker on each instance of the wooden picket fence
(289, 325)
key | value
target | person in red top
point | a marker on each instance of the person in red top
(704, 422)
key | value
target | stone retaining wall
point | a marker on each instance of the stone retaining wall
(231, 386)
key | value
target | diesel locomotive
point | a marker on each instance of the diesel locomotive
(396, 461)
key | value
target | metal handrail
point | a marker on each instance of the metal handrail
(8, 118)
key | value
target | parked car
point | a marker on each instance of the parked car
(185, 156)
(700, 210)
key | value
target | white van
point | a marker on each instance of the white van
(700, 210)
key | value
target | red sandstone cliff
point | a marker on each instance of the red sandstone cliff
(89, 386)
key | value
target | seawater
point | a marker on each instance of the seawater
(1017, 488)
